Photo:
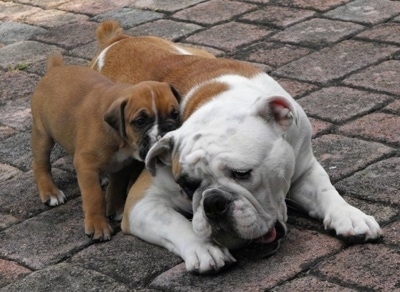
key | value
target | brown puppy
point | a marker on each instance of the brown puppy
(106, 127)
(112, 59)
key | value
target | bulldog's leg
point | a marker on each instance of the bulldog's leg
(154, 220)
(315, 193)
(94, 204)
(42, 144)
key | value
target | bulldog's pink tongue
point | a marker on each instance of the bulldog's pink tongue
(269, 237)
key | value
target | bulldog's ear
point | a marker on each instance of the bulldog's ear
(278, 109)
(115, 116)
(160, 152)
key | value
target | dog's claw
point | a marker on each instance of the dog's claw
(55, 199)
(98, 230)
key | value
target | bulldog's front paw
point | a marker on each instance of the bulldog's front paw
(204, 257)
(98, 228)
(349, 222)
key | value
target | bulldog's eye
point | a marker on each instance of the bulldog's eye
(241, 174)
(175, 115)
(140, 121)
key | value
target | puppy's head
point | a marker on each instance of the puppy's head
(144, 113)
(236, 168)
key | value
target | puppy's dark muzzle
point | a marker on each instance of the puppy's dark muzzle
(216, 204)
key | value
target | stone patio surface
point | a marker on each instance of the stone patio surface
(339, 58)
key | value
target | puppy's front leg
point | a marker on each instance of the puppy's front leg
(94, 204)
(315, 193)
(154, 220)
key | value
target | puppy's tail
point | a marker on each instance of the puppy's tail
(106, 32)
(55, 59)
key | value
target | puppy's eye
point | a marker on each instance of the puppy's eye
(175, 115)
(241, 174)
(140, 121)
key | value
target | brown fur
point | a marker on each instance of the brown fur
(135, 59)
(83, 111)
(202, 96)
(136, 193)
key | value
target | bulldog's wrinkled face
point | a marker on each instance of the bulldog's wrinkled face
(236, 169)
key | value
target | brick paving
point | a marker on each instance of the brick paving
(339, 58)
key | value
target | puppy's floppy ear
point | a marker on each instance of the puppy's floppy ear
(161, 152)
(278, 109)
(176, 93)
(115, 116)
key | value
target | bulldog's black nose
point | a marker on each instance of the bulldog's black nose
(216, 204)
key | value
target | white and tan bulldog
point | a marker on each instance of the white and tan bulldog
(107, 128)
(244, 146)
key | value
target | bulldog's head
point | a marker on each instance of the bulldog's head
(143, 114)
(236, 167)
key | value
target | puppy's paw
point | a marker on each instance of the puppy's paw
(54, 198)
(350, 222)
(204, 257)
(98, 229)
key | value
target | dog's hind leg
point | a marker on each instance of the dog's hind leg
(42, 144)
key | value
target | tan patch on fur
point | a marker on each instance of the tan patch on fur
(136, 193)
(202, 95)
(176, 166)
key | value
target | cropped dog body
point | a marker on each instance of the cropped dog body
(108, 128)
(244, 146)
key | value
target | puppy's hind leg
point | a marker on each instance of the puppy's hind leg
(42, 144)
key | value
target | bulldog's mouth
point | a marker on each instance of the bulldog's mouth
(276, 232)
(262, 246)
(233, 242)
(269, 237)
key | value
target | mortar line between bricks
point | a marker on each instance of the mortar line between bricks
(378, 108)
(394, 146)
(17, 262)
(372, 41)
(338, 80)
(361, 88)
(340, 282)
(310, 266)
(383, 157)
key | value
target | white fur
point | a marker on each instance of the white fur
(101, 57)
(182, 51)
(228, 133)
(154, 132)
(58, 199)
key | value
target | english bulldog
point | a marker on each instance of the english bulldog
(243, 148)
(107, 128)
